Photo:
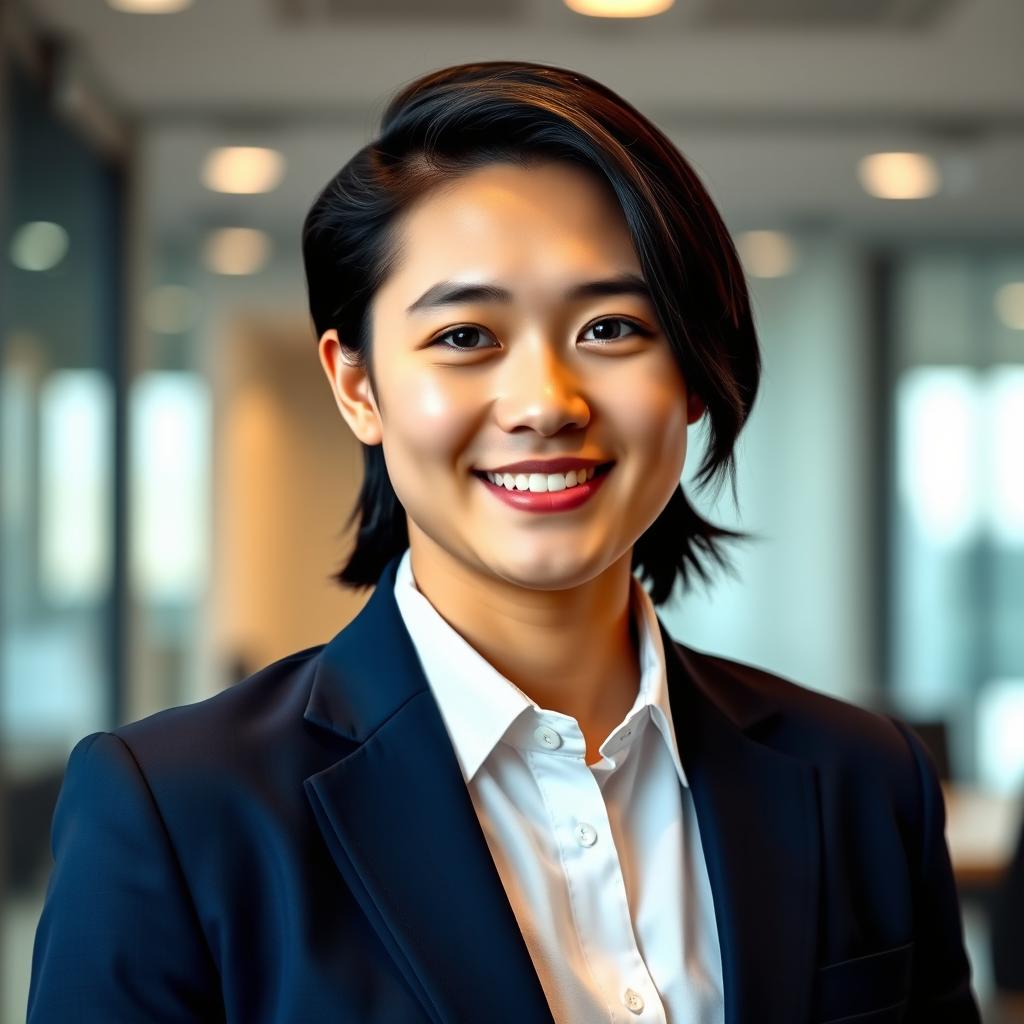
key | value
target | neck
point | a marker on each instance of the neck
(573, 650)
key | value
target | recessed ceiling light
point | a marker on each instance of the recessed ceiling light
(1009, 303)
(242, 169)
(619, 8)
(899, 175)
(149, 6)
(38, 245)
(766, 253)
(236, 250)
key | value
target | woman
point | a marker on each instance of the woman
(503, 792)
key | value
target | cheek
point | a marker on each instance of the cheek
(652, 418)
(427, 419)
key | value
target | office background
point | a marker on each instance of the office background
(174, 474)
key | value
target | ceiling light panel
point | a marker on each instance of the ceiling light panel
(243, 170)
(236, 251)
(149, 6)
(619, 8)
(899, 175)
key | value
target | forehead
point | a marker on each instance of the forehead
(504, 220)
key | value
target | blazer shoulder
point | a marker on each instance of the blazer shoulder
(254, 714)
(837, 734)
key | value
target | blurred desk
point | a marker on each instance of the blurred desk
(982, 829)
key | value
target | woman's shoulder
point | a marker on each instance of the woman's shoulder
(261, 713)
(802, 719)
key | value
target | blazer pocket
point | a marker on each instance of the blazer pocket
(865, 988)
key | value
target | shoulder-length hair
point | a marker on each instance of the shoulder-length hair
(460, 118)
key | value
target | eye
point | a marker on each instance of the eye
(635, 329)
(464, 335)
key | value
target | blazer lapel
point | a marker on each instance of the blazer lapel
(758, 816)
(402, 830)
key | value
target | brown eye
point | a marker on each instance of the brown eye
(463, 338)
(613, 333)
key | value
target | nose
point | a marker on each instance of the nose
(540, 392)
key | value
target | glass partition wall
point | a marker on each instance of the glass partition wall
(956, 560)
(61, 477)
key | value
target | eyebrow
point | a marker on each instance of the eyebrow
(451, 293)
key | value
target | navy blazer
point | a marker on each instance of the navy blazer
(302, 848)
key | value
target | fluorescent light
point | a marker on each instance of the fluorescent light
(171, 439)
(38, 245)
(1000, 726)
(619, 8)
(75, 471)
(243, 169)
(899, 175)
(766, 253)
(1009, 303)
(1004, 405)
(149, 6)
(938, 411)
(236, 250)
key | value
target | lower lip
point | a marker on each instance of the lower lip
(548, 501)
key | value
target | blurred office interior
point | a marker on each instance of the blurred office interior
(174, 474)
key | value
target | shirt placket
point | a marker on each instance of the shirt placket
(592, 871)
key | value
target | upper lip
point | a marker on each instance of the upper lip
(545, 465)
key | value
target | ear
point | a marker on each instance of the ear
(695, 407)
(352, 391)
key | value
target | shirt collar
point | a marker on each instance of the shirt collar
(479, 705)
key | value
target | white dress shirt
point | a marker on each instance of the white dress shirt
(602, 863)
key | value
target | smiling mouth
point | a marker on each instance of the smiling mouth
(598, 471)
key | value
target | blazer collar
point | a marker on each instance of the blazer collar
(397, 817)
(479, 705)
(369, 670)
(348, 697)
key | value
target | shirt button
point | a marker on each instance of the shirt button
(547, 737)
(585, 834)
(633, 1000)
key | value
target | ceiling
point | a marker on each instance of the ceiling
(773, 101)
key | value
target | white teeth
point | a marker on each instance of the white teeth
(539, 482)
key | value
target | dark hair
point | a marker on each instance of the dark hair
(460, 118)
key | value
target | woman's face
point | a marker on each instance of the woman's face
(478, 383)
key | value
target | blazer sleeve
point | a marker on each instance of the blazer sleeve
(118, 938)
(941, 987)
